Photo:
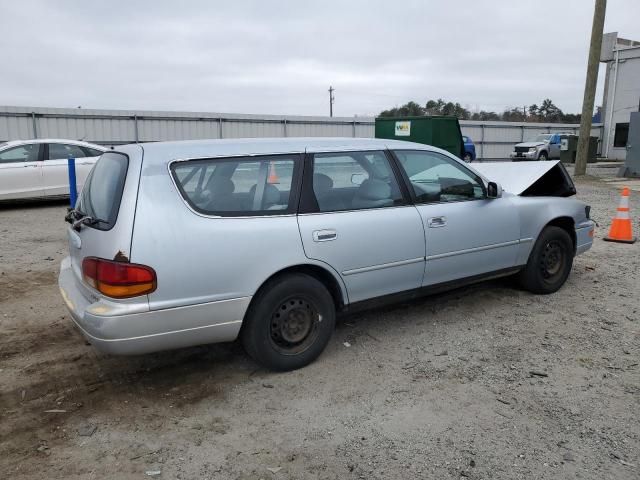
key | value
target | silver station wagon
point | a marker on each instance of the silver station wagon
(185, 243)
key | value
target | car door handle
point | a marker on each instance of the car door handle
(324, 235)
(435, 222)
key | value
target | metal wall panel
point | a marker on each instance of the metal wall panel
(493, 140)
(15, 128)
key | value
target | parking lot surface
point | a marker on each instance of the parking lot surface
(482, 382)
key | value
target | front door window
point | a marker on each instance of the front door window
(23, 153)
(437, 178)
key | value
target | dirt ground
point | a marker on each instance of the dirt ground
(482, 382)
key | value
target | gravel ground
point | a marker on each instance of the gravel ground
(482, 382)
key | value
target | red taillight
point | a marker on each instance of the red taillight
(118, 279)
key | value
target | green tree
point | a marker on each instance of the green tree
(485, 116)
(513, 115)
(549, 112)
(546, 112)
(409, 109)
(434, 107)
(440, 107)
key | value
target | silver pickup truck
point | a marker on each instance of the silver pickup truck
(543, 147)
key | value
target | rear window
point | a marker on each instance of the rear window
(102, 192)
(243, 186)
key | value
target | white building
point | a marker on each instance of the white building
(621, 92)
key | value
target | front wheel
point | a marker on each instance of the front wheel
(549, 263)
(543, 156)
(467, 157)
(289, 322)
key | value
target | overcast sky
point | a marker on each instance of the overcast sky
(280, 57)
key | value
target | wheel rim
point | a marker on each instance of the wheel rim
(552, 261)
(467, 158)
(543, 156)
(294, 325)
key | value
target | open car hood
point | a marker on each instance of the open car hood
(529, 179)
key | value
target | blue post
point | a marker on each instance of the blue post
(73, 188)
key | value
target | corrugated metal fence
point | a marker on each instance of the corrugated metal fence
(115, 127)
(496, 139)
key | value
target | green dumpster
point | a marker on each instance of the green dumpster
(439, 131)
(569, 148)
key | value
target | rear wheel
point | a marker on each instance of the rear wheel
(543, 156)
(289, 323)
(549, 263)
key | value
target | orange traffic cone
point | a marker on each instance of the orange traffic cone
(620, 230)
(273, 176)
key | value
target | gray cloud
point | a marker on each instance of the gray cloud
(281, 56)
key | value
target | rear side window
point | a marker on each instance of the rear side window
(91, 152)
(242, 186)
(102, 192)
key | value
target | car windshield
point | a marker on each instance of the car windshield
(541, 138)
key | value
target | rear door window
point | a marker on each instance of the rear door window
(61, 151)
(243, 186)
(353, 181)
(102, 192)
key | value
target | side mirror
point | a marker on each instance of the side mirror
(494, 190)
(358, 178)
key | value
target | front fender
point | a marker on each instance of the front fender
(537, 212)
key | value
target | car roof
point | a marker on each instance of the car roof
(181, 150)
(15, 143)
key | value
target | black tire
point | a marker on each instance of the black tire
(543, 156)
(467, 157)
(549, 263)
(289, 322)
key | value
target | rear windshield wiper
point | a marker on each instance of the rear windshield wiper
(86, 220)
(77, 218)
(72, 215)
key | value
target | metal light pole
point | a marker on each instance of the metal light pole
(590, 87)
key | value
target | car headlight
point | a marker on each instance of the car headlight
(533, 149)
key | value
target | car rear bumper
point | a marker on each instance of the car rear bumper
(584, 236)
(132, 329)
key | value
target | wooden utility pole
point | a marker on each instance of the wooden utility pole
(590, 87)
(331, 100)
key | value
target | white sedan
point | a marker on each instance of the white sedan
(38, 168)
